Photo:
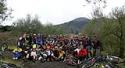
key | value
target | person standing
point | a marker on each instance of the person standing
(97, 46)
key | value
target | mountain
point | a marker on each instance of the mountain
(75, 25)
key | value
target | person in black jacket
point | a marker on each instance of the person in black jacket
(97, 46)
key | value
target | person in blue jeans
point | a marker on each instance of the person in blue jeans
(17, 53)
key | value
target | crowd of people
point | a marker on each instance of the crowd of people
(38, 47)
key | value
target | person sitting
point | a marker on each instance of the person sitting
(50, 55)
(41, 55)
(17, 53)
(27, 53)
(56, 52)
(61, 54)
(33, 54)
(81, 53)
(76, 51)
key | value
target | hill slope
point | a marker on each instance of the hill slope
(74, 26)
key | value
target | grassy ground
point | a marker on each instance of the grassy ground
(16, 62)
(8, 57)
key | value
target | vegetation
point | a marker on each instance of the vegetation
(5, 12)
(33, 25)
(110, 30)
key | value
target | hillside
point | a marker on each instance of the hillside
(74, 26)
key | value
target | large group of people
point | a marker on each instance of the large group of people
(38, 47)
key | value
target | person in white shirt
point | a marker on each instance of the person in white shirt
(33, 54)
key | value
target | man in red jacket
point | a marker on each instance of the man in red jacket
(81, 53)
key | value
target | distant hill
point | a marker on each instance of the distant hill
(74, 26)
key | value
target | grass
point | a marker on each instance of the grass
(8, 59)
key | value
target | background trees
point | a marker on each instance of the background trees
(5, 12)
(33, 25)
(110, 29)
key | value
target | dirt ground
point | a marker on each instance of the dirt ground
(48, 65)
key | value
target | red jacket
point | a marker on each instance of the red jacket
(82, 52)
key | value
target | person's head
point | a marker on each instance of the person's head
(38, 35)
(94, 37)
(56, 47)
(34, 35)
(24, 35)
(27, 48)
(78, 47)
(44, 46)
(20, 38)
(80, 42)
(33, 49)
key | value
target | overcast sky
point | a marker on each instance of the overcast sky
(55, 11)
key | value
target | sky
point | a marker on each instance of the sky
(55, 11)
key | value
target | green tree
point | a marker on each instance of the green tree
(28, 25)
(33, 25)
(110, 31)
(118, 16)
(53, 30)
(5, 12)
